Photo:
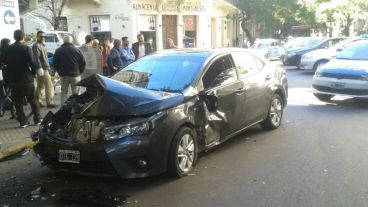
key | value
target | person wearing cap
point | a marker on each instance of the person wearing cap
(69, 62)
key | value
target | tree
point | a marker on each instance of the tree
(53, 11)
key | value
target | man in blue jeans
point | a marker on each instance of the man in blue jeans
(127, 54)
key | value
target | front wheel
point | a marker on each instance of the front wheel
(275, 112)
(183, 153)
(323, 97)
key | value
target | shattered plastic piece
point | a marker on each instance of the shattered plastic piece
(191, 174)
(264, 183)
(325, 170)
(247, 138)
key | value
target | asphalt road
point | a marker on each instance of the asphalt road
(318, 157)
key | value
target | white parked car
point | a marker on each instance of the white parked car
(347, 74)
(312, 60)
(54, 39)
(269, 48)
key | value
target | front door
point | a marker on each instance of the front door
(221, 81)
(169, 28)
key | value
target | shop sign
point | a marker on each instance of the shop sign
(145, 7)
(170, 6)
(121, 17)
(193, 7)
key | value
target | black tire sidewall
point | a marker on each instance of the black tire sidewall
(173, 164)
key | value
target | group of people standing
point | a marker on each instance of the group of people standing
(121, 54)
(22, 64)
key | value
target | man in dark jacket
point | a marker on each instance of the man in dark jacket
(20, 74)
(141, 48)
(114, 59)
(70, 64)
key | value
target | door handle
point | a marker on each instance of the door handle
(240, 91)
(268, 77)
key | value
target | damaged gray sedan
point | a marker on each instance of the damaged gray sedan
(159, 112)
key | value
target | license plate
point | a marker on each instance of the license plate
(69, 156)
(338, 85)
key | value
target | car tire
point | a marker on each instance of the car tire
(183, 153)
(275, 112)
(323, 97)
(319, 63)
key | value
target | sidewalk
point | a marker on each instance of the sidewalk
(13, 138)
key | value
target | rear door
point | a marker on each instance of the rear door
(255, 83)
(221, 80)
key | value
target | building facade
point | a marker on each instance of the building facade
(189, 23)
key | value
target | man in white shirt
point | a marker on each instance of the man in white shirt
(141, 48)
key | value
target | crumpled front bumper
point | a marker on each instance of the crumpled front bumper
(120, 157)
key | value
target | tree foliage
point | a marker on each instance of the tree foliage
(275, 17)
(53, 11)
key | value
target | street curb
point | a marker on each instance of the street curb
(16, 149)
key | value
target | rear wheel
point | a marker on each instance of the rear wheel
(319, 63)
(275, 112)
(183, 153)
(323, 97)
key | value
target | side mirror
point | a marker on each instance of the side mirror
(211, 102)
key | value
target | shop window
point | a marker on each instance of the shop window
(189, 30)
(100, 27)
(147, 27)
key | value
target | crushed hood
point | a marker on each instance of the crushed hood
(120, 99)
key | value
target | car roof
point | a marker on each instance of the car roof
(199, 52)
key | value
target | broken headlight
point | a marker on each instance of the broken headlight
(125, 130)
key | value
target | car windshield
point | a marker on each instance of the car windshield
(168, 72)
(355, 51)
(303, 42)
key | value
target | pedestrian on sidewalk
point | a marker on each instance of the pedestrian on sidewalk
(170, 44)
(70, 64)
(20, 73)
(4, 44)
(114, 59)
(141, 48)
(105, 53)
(127, 54)
(89, 41)
(43, 75)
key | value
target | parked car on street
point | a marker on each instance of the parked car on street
(293, 56)
(268, 48)
(312, 60)
(158, 113)
(347, 74)
(54, 39)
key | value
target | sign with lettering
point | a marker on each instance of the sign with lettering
(145, 7)
(193, 7)
(170, 6)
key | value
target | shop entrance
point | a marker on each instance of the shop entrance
(169, 28)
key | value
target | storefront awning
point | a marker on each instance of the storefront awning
(224, 5)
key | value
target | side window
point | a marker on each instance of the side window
(222, 71)
(246, 62)
(51, 38)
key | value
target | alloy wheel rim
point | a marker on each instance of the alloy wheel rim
(276, 112)
(185, 154)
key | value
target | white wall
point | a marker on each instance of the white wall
(120, 12)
